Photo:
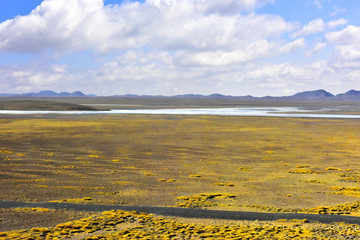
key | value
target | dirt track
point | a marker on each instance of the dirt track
(188, 212)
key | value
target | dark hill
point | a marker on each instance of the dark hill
(49, 94)
(352, 92)
(349, 95)
(317, 94)
(42, 105)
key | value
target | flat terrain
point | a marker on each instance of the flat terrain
(183, 212)
(30, 104)
(153, 160)
(163, 102)
(213, 162)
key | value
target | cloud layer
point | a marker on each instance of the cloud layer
(161, 24)
(169, 47)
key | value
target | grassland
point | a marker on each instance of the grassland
(229, 163)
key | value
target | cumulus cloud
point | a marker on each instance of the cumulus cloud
(166, 46)
(198, 33)
(337, 23)
(314, 26)
(290, 77)
(317, 47)
(318, 25)
(162, 24)
(273, 73)
(34, 77)
(348, 35)
(354, 75)
(72, 25)
(291, 46)
(337, 10)
(318, 4)
(232, 6)
(60, 68)
(348, 53)
(346, 43)
(141, 73)
(219, 58)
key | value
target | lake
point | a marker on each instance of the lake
(292, 112)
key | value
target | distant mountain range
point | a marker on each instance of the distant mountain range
(47, 94)
(316, 95)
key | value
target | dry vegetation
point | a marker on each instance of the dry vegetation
(231, 163)
(133, 225)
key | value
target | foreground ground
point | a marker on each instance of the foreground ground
(133, 225)
(229, 163)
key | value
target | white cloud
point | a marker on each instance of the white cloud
(188, 33)
(348, 35)
(252, 51)
(289, 47)
(346, 43)
(346, 65)
(321, 68)
(318, 4)
(257, 49)
(232, 6)
(290, 73)
(336, 23)
(34, 78)
(337, 10)
(155, 46)
(72, 25)
(60, 68)
(162, 24)
(354, 75)
(318, 25)
(348, 52)
(317, 47)
(171, 46)
(314, 26)
(288, 78)
(276, 73)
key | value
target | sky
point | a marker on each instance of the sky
(171, 47)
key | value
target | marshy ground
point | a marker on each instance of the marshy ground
(213, 162)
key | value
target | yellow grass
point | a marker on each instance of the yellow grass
(265, 164)
(133, 225)
(249, 157)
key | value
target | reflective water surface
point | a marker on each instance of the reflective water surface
(258, 112)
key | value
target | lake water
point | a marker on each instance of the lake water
(250, 112)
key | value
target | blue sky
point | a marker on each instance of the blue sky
(11, 8)
(168, 47)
